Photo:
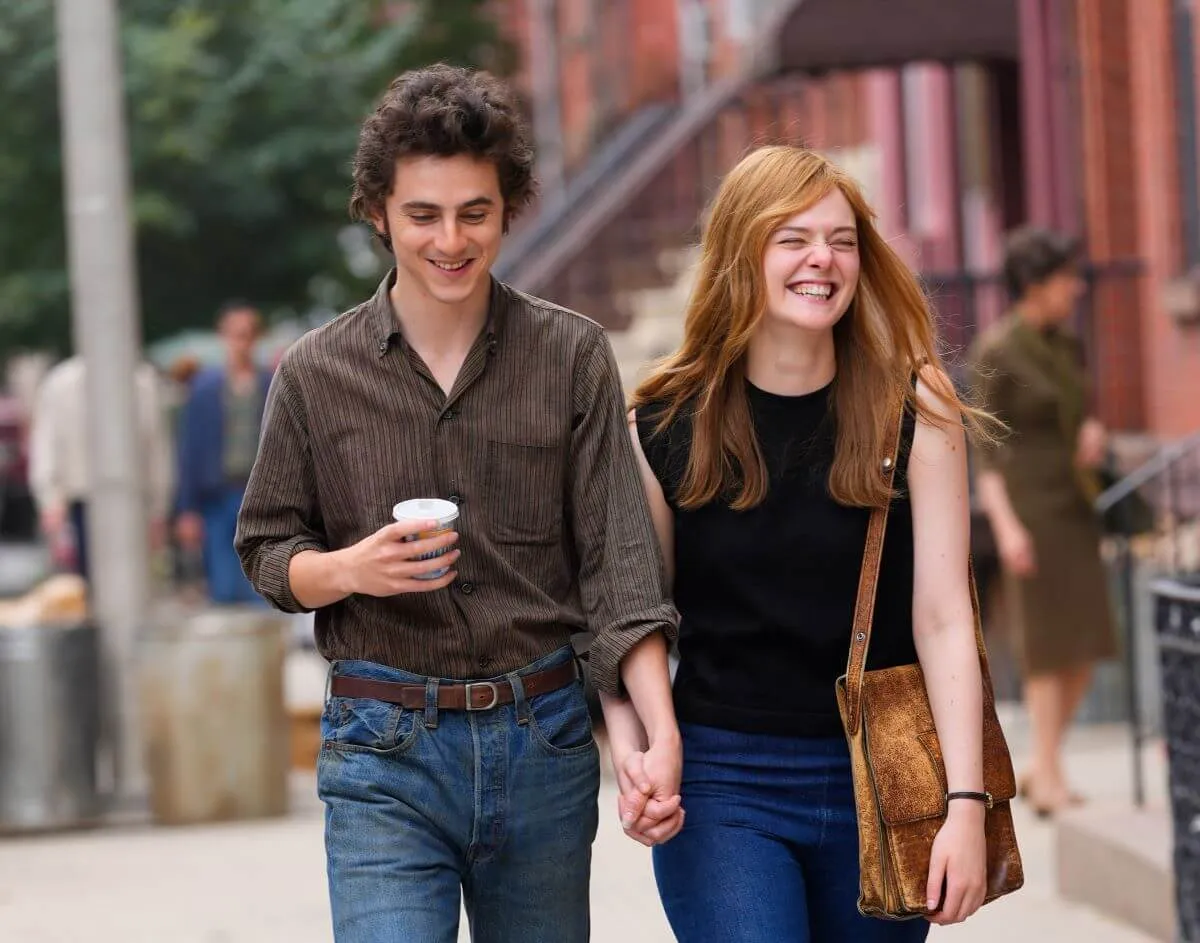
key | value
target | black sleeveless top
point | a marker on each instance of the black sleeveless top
(766, 596)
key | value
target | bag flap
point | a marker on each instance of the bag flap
(904, 752)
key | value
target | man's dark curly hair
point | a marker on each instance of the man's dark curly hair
(443, 111)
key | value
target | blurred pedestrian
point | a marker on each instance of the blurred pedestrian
(219, 429)
(1037, 488)
(762, 441)
(60, 458)
(179, 377)
(186, 564)
(459, 763)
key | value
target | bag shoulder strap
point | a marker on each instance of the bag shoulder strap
(868, 583)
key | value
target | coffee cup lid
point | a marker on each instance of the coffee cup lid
(425, 509)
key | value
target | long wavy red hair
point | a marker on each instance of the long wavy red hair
(885, 334)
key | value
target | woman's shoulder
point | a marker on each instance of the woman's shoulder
(659, 421)
(665, 435)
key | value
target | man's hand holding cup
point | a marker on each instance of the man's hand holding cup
(413, 555)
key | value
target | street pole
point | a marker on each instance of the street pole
(105, 317)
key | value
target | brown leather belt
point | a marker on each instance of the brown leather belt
(471, 696)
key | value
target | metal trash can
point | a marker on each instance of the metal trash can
(23, 565)
(214, 723)
(1177, 619)
(49, 726)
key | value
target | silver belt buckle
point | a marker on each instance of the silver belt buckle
(491, 686)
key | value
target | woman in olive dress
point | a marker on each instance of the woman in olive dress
(1036, 489)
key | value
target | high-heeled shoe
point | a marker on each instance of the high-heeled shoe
(1044, 810)
(1025, 791)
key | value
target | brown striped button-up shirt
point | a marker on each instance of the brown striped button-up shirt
(531, 444)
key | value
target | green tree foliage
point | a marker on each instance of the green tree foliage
(243, 116)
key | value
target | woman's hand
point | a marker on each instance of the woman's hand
(1015, 546)
(958, 865)
(649, 803)
(648, 774)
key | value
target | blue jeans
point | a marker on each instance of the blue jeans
(227, 583)
(769, 849)
(420, 804)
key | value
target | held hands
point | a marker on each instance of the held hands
(958, 864)
(649, 803)
(386, 564)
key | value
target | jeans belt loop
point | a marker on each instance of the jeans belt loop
(329, 673)
(520, 701)
(431, 703)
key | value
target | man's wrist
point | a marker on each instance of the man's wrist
(342, 571)
(621, 746)
(321, 577)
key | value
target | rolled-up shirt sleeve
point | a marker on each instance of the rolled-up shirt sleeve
(280, 515)
(621, 576)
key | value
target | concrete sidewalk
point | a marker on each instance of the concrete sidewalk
(264, 882)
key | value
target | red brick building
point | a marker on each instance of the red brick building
(963, 120)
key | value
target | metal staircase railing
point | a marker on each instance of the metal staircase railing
(553, 219)
(1169, 482)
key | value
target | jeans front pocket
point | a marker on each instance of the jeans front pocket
(365, 725)
(560, 722)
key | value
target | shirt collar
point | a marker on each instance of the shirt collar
(386, 329)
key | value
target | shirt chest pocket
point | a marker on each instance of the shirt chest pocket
(524, 492)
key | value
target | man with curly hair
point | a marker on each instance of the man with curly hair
(458, 754)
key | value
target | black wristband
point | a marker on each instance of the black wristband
(984, 797)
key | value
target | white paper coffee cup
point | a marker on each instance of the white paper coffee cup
(445, 513)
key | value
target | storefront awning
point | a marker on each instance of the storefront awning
(819, 35)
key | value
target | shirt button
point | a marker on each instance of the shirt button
(485, 663)
(456, 499)
(467, 588)
(449, 414)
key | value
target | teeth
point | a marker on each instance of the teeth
(450, 266)
(814, 291)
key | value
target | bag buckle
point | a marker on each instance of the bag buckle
(470, 692)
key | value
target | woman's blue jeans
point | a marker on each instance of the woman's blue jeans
(769, 849)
